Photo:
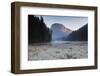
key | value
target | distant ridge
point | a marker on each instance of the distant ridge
(79, 35)
(60, 26)
(59, 31)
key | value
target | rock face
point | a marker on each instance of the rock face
(79, 35)
(59, 32)
(37, 30)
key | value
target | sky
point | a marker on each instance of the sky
(70, 22)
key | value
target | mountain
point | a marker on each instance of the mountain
(79, 35)
(59, 31)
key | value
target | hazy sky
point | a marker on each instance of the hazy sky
(70, 22)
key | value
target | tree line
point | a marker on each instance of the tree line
(38, 32)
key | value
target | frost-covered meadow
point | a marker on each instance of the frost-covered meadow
(58, 50)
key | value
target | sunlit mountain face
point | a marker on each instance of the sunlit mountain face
(59, 32)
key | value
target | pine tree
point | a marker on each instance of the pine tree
(37, 30)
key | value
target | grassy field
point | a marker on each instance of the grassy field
(58, 50)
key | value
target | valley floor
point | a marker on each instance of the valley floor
(58, 50)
